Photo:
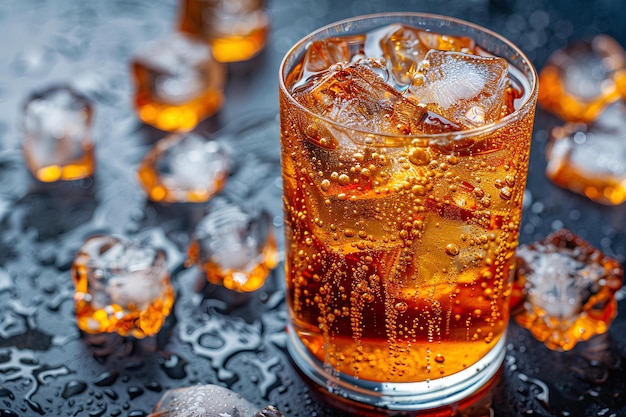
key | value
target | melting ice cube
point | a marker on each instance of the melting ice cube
(467, 89)
(57, 134)
(235, 29)
(591, 159)
(579, 81)
(177, 82)
(570, 289)
(359, 96)
(235, 246)
(121, 286)
(184, 167)
(208, 401)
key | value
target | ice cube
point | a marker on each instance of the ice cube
(468, 90)
(208, 401)
(404, 48)
(570, 289)
(591, 159)
(121, 286)
(57, 134)
(358, 96)
(237, 30)
(177, 81)
(578, 81)
(184, 167)
(322, 54)
(235, 246)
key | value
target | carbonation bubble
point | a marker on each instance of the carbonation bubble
(452, 249)
(419, 157)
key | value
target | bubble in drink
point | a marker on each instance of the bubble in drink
(399, 245)
(579, 81)
(184, 167)
(591, 159)
(121, 286)
(237, 30)
(208, 401)
(234, 246)
(178, 83)
(57, 135)
(570, 290)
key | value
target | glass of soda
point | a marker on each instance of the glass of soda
(405, 144)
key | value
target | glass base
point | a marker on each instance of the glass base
(403, 396)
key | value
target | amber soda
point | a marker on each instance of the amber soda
(403, 195)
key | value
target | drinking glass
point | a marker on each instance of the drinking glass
(400, 247)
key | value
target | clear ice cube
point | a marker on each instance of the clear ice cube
(208, 401)
(404, 47)
(57, 134)
(184, 167)
(121, 286)
(591, 159)
(359, 96)
(579, 81)
(468, 90)
(237, 30)
(569, 287)
(235, 246)
(322, 54)
(177, 81)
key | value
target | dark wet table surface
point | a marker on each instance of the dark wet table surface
(47, 367)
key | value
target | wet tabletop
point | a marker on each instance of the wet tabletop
(47, 367)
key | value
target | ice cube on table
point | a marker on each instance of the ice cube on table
(208, 401)
(57, 142)
(177, 82)
(569, 289)
(591, 159)
(468, 90)
(234, 246)
(184, 167)
(237, 30)
(121, 286)
(580, 80)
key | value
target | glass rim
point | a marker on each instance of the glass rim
(530, 73)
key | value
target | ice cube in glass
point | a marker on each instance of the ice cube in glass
(57, 124)
(590, 159)
(468, 90)
(121, 285)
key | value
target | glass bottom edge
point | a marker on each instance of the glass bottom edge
(403, 396)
